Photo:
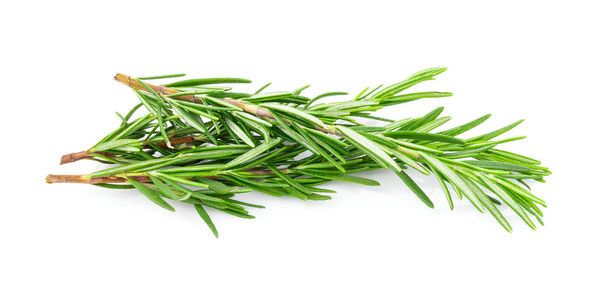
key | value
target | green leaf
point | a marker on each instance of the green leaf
(245, 203)
(126, 148)
(151, 194)
(416, 78)
(514, 156)
(131, 112)
(194, 108)
(160, 103)
(264, 132)
(221, 102)
(397, 124)
(432, 125)
(117, 143)
(252, 118)
(113, 186)
(424, 137)
(347, 105)
(489, 184)
(489, 164)
(205, 81)
(414, 188)
(197, 106)
(161, 76)
(294, 112)
(325, 137)
(315, 144)
(444, 188)
(297, 189)
(269, 96)
(416, 123)
(318, 197)
(370, 148)
(415, 146)
(495, 133)
(166, 190)
(463, 128)
(415, 96)
(454, 179)
(204, 215)
(252, 153)
(409, 161)
(328, 94)
(518, 190)
(215, 185)
(466, 153)
(180, 180)
(149, 105)
(245, 137)
(196, 194)
(186, 117)
(339, 177)
(262, 88)
(130, 167)
(138, 124)
(487, 203)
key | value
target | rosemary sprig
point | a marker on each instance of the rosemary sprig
(202, 144)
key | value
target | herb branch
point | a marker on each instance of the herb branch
(200, 143)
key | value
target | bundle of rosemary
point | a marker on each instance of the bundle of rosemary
(202, 143)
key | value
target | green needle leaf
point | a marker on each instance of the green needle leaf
(515, 188)
(204, 215)
(186, 117)
(215, 185)
(454, 179)
(252, 118)
(485, 200)
(489, 184)
(444, 188)
(424, 137)
(297, 189)
(245, 137)
(135, 144)
(164, 188)
(414, 188)
(285, 144)
(328, 94)
(205, 81)
(252, 153)
(496, 133)
(463, 128)
(151, 194)
(370, 148)
(294, 112)
(181, 180)
(339, 177)
(162, 76)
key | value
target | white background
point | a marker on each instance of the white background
(520, 59)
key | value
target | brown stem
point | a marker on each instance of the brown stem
(54, 178)
(58, 178)
(249, 108)
(72, 157)
(180, 140)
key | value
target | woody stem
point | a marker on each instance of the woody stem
(247, 107)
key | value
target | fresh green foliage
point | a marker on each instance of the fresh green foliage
(203, 144)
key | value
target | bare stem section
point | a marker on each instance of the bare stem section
(86, 179)
(53, 178)
(86, 154)
(247, 107)
(72, 157)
